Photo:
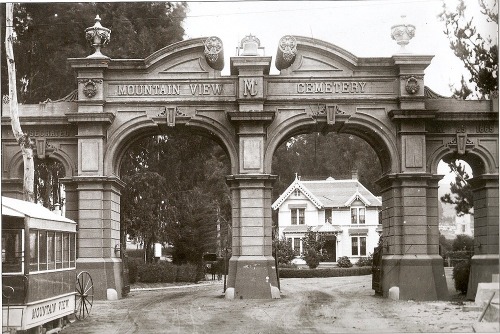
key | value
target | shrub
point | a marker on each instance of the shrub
(283, 250)
(365, 261)
(312, 258)
(327, 272)
(344, 262)
(136, 253)
(461, 276)
(187, 273)
(133, 264)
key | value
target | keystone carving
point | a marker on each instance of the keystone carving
(461, 144)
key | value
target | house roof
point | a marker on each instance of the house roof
(330, 193)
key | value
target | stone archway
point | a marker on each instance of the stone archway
(320, 88)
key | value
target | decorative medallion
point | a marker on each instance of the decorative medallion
(90, 87)
(288, 45)
(412, 86)
(213, 46)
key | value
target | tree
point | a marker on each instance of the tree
(22, 139)
(49, 33)
(460, 195)
(463, 242)
(479, 53)
(312, 244)
(191, 186)
(47, 191)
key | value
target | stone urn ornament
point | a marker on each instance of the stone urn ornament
(402, 33)
(98, 36)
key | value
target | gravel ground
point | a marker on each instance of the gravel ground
(312, 305)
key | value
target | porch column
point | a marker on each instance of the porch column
(484, 263)
(252, 270)
(411, 259)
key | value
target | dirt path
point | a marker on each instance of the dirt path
(323, 305)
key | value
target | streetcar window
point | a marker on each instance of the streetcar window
(51, 261)
(72, 250)
(33, 250)
(43, 250)
(12, 250)
(65, 250)
(58, 250)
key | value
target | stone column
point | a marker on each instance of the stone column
(411, 259)
(484, 263)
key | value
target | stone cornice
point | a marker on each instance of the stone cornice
(401, 114)
(103, 117)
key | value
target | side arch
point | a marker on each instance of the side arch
(479, 159)
(16, 164)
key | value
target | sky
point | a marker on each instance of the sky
(360, 27)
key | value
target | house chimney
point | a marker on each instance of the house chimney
(354, 173)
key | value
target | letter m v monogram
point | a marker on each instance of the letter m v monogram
(249, 87)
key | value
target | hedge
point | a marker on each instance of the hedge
(327, 272)
(163, 272)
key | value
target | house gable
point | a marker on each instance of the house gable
(296, 184)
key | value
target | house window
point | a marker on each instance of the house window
(297, 193)
(298, 216)
(358, 246)
(328, 215)
(357, 215)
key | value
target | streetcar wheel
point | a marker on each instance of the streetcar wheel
(84, 295)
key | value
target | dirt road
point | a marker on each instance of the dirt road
(319, 305)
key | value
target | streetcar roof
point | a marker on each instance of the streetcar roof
(18, 208)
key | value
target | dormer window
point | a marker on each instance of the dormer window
(357, 215)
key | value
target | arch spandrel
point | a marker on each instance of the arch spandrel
(181, 59)
(320, 58)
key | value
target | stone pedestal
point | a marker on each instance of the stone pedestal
(411, 259)
(484, 263)
(252, 269)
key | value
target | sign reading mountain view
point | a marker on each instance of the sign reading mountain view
(170, 89)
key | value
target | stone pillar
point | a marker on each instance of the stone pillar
(411, 259)
(99, 232)
(252, 270)
(484, 263)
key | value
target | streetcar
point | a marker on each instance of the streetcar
(41, 290)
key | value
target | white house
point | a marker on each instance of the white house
(343, 211)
